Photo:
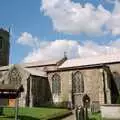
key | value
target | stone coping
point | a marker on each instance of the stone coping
(113, 105)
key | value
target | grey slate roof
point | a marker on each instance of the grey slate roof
(36, 72)
(34, 64)
(91, 61)
(41, 63)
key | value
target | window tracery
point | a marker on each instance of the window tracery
(78, 82)
(14, 77)
(56, 84)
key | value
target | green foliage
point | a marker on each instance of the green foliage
(118, 100)
(95, 116)
(61, 105)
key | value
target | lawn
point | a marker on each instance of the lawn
(32, 113)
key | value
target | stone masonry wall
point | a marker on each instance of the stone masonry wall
(93, 84)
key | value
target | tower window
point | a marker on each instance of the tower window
(1, 42)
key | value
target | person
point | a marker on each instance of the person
(70, 106)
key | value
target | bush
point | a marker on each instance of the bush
(56, 105)
(1, 110)
(95, 116)
(118, 100)
(61, 104)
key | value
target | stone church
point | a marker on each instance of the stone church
(62, 81)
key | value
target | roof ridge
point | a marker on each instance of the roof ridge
(95, 56)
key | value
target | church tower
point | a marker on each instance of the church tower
(4, 47)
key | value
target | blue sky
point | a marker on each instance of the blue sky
(25, 16)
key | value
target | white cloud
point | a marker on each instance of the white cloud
(114, 22)
(55, 50)
(27, 39)
(70, 17)
(91, 48)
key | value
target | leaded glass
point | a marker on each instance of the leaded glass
(78, 82)
(56, 84)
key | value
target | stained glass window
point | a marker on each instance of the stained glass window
(78, 82)
(56, 84)
(14, 77)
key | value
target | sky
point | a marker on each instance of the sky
(46, 29)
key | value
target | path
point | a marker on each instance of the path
(71, 117)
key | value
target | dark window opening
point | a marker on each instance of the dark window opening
(0, 44)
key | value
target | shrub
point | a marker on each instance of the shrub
(118, 100)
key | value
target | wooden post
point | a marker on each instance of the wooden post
(76, 113)
(16, 109)
(81, 114)
(86, 113)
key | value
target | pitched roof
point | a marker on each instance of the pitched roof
(93, 60)
(29, 71)
(40, 63)
(9, 87)
(5, 68)
(35, 64)
(25, 72)
(36, 72)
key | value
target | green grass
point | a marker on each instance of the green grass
(32, 113)
(95, 116)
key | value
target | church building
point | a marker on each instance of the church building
(66, 81)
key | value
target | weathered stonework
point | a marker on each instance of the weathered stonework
(92, 83)
(98, 84)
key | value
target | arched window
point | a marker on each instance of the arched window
(56, 84)
(77, 82)
(14, 77)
